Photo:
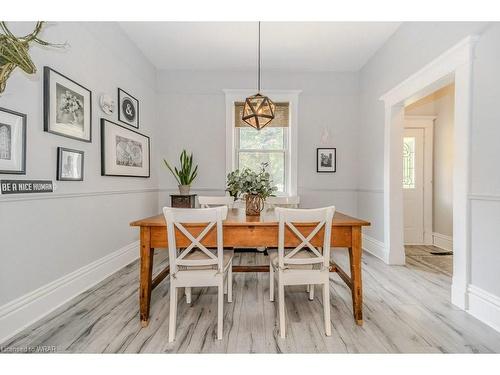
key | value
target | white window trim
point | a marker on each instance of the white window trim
(290, 96)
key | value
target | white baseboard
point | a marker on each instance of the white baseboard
(375, 247)
(484, 306)
(25, 310)
(442, 241)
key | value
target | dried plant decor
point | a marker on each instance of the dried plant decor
(14, 52)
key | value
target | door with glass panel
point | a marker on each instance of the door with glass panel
(413, 185)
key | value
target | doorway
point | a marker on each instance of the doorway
(455, 65)
(428, 181)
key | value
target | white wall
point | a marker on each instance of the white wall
(408, 50)
(192, 109)
(441, 105)
(44, 237)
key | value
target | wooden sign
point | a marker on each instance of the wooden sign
(26, 186)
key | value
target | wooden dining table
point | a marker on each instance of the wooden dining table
(242, 231)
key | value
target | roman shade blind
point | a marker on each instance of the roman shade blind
(281, 116)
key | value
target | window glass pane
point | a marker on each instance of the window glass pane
(265, 139)
(409, 163)
(276, 166)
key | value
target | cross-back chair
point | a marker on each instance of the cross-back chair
(195, 265)
(208, 201)
(305, 264)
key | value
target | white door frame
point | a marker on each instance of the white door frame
(426, 123)
(454, 64)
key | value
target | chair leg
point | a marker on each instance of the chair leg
(220, 309)
(173, 312)
(230, 283)
(308, 288)
(326, 308)
(271, 283)
(187, 291)
(311, 292)
(281, 307)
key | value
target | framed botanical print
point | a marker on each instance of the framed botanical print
(67, 106)
(128, 111)
(326, 160)
(12, 142)
(124, 152)
(69, 164)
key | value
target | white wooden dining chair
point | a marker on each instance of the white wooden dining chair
(305, 264)
(195, 265)
(209, 201)
(287, 202)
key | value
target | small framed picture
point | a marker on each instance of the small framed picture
(67, 106)
(124, 152)
(69, 164)
(12, 142)
(128, 112)
(326, 160)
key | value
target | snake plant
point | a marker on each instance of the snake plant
(186, 173)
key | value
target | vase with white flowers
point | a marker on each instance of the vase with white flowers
(255, 187)
(185, 174)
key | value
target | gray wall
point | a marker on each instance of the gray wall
(408, 50)
(192, 109)
(48, 236)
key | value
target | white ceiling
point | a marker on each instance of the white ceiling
(289, 46)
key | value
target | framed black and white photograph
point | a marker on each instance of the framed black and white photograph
(124, 152)
(67, 106)
(128, 111)
(69, 164)
(326, 160)
(12, 142)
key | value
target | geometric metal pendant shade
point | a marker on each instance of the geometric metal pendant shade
(258, 111)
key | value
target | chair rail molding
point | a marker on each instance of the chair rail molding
(31, 307)
(454, 64)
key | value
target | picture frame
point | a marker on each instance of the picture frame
(124, 152)
(128, 109)
(67, 106)
(12, 142)
(70, 164)
(326, 160)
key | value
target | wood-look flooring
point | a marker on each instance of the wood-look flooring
(423, 255)
(406, 309)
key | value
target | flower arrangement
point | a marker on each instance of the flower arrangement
(255, 187)
(70, 103)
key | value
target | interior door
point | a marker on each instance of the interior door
(413, 185)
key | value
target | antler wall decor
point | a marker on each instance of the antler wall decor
(14, 52)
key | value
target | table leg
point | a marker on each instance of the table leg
(355, 262)
(146, 275)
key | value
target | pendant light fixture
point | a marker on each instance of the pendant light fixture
(258, 110)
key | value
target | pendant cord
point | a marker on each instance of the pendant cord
(258, 85)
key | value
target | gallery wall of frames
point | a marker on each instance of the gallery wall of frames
(67, 112)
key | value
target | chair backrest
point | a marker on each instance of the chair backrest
(287, 202)
(176, 217)
(207, 201)
(287, 217)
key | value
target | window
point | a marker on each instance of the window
(268, 145)
(409, 163)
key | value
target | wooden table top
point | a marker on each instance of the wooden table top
(237, 217)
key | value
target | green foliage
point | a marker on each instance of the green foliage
(186, 174)
(247, 181)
